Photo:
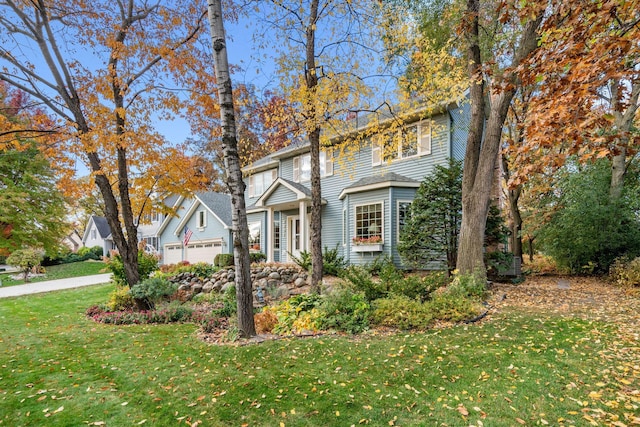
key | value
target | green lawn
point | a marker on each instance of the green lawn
(62, 271)
(60, 369)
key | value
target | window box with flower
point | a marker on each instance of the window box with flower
(367, 244)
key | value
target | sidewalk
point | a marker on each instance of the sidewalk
(53, 285)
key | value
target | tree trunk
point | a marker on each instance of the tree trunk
(233, 173)
(311, 80)
(623, 119)
(480, 159)
(513, 197)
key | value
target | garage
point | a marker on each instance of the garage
(194, 252)
(203, 251)
(172, 254)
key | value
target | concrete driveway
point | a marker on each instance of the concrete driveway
(53, 285)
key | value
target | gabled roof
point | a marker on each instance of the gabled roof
(102, 225)
(299, 191)
(389, 179)
(218, 204)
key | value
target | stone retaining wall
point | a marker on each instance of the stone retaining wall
(271, 281)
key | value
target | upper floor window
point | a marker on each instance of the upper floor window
(410, 141)
(94, 234)
(201, 219)
(259, 182)
(302, 166)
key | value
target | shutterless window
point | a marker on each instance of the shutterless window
(369, 221)
(404, 211)
(276, 235)
(201, 219)
(254, 236)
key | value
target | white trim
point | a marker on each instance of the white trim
(201, 214)
(326, 163)
(398, 201)
(299, 194)
(423, 148)
(269, 250)
(377, 186)
(185, 218)
(169, 217)
(345, 227)
(355, 218)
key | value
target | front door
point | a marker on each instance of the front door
(294, 244)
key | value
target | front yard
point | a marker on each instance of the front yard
(545, 355)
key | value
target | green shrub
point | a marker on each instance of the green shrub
(625, 272)
(228, 305)
(417, 287)
(202, 269)
(147, 264)
(468, 285)
(332, 263)
(401, 312)
(303, 260)
(223, 260)
(344, 310)
(451, 306)
(153, 289)
(379, 264)
(360, 280)
(256, 257)
(120, 299)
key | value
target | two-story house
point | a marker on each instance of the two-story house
(366, 192)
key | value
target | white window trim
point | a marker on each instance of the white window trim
(345, 228)
(355, 217)
(201, 214)
(326, 160)
(424, 147)
(264, 174)
(398, 216)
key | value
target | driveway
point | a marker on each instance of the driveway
(53, 285)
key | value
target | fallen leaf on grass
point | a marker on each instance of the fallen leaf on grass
(463, 411)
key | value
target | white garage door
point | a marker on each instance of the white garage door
(172, 254)
(203, 251)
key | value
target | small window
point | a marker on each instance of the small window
(369, 221)
(201, 219)
(344, 227)
(94, 234)
(404, 212)
(276, 235)
(254, 236)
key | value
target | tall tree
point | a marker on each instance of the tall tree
(587, 74)
(233, 172)
(32, 208)
(105, 99)
(324, 53)
(487, 118)
(434, 223)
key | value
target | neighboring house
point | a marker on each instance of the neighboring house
(365, 198)
(98, 233)
(73, 241)
(206, 218)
